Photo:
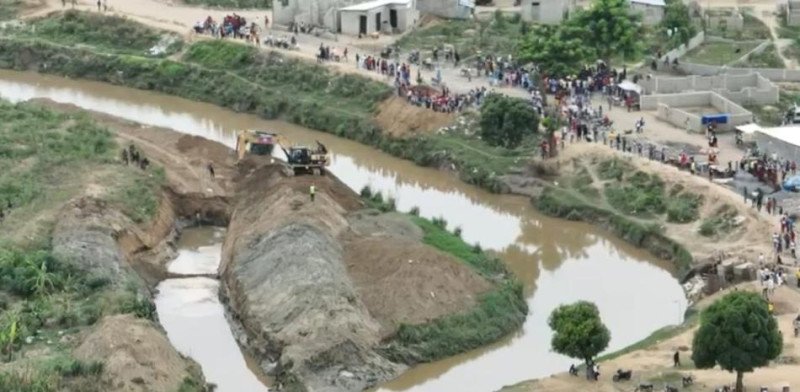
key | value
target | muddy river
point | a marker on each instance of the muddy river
(190, 311)
(558, 261)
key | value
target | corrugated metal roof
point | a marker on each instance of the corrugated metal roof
(657, 3)
(366, 6)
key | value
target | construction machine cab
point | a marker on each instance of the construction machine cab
(304, 159)
(255, 142)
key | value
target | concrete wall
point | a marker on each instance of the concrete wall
(732, 20)
(450, 9)
(668, 108)
(793, 13)
(651, 14)
(351, 19)
(773, 74)
(544, 11)
(681, 50)
(747, 89)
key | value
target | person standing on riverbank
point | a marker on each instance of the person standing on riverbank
(312, 191)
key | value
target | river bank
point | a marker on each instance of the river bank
(243, 78)
(546, 254)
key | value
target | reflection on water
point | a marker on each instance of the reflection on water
(558, 261)
(190, 311)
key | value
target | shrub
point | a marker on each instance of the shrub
(505, 121)
(366, 192)
(414, 211)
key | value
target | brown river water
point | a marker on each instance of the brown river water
(558, 261)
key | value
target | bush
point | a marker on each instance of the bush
(366, 192)
(414, 211)
(683, 208)
(117, 34)
(505, 121)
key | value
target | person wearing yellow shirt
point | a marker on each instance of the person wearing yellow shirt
(797, 275)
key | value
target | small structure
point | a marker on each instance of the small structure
(793, 13)
(450, 9)
(652, 10)
(726, 18)
(692, 111)
(384, 16)
(545, 11)
(745, 89)
(783, 141)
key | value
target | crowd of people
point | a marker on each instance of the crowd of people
(133, 156)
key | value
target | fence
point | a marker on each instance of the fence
(671, 108)
(748, 89)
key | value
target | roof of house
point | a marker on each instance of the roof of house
(366, 6)
(789, 133)
(657, 3)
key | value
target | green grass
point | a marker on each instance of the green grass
(139, 195)
(582, 182)
(267, 84)
(640, 194)
(768, 58)
(567, 204)
(439, 238)
(10, 8)
(718, 53)
(722, 222)
(498, 36)
(110, 33)
(264, 4)
(613, 169)
(752, 29)
(59, 374)
(682, 207)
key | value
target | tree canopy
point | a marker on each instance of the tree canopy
(606, 30)
(612, 30)
(505, 120)
(677, 19)
(559, 50)
(737, 333)
(578, 331)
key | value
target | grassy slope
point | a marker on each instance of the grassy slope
(48, 158)
(631, 205)
(237, 76)
(10, 8)
(499, 311)
(718, 53)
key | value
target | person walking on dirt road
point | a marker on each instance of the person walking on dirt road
(210, 169)
(98, 5)
(676, 359)
(312, 191)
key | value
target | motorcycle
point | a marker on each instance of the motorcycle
(687, 380)
(622, 375)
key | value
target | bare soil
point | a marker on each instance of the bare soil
(398, 118)
(137, 356)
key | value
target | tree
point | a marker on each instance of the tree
(578, 331)
(611, 28)
(738, 334)
(505, 121)
(677, 19)
(557, 50)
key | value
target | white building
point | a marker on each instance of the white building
(387, 16)
(545, 11)
(348, 16)
(652, 10)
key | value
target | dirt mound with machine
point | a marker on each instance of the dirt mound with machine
(317, 284)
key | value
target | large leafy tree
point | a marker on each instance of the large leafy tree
(578, 331)
(612, 30)
(557, 50)
(677, 19)
(738, 334)
(505, 121)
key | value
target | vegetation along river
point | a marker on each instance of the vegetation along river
(558, 261)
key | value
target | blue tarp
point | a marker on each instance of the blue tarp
(721, 118)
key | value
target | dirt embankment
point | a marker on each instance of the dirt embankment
(398, 118)
(318, 284)
(577, 171)
(94, 234)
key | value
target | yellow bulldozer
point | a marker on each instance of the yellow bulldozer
(255, 142)
(302, 159)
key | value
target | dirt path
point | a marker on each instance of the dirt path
(654, 364)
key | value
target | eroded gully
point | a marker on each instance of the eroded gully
(558, 261)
